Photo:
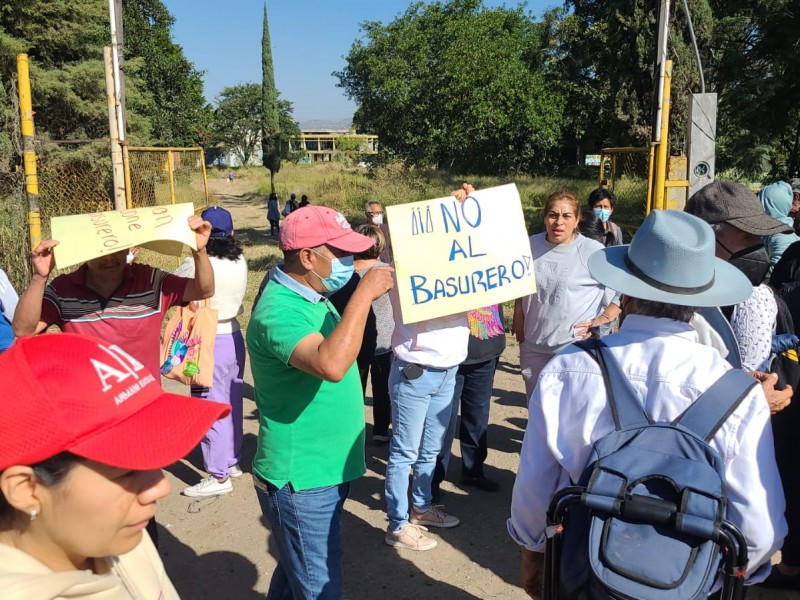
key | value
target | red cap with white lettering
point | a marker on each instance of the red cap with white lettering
(65, 392)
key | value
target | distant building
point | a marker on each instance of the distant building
(322, 145)
(319, 145)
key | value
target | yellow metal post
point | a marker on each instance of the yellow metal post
(29, 152)
(650, 178)
(205, 175)
(126, 165)
(603, 157)
(171, 171)
(662, 157)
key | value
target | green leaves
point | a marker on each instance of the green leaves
(454, 85)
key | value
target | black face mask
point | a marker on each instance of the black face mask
(752, 261)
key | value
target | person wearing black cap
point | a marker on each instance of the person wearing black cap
(739, 223)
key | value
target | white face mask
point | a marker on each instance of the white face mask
(377, 219)
(130, 258)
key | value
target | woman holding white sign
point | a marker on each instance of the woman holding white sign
(568, 300)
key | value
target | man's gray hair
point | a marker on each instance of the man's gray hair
(663, 310)
(370, 203)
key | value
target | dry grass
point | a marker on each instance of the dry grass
(347, 189)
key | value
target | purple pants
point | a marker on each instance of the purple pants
(223, 442)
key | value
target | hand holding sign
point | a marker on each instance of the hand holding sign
(458, 254)
(42, 258)
(202, 231)
(159, 228)
(461, 193)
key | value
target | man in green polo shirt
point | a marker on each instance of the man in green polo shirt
(309, 397)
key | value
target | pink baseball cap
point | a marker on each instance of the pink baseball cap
(313, 226)
(63, 392)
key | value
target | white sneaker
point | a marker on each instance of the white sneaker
(209, 486)
(234, 471)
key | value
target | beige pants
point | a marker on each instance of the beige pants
(531, 364)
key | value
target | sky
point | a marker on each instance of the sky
(310, 39)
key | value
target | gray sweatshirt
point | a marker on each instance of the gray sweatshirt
(566, 293)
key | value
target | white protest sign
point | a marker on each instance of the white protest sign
(163, 229)
(453, 256)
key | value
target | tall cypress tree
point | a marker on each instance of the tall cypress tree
(270, 119)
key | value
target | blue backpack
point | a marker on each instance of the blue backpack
(647, 518)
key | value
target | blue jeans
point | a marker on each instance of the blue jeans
(473, 391)
(307, 528)
(420, 416)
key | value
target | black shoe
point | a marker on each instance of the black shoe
(482, 483)
(777, 579)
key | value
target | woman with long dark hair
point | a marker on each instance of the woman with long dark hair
(223, 442)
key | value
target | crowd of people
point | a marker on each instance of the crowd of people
(694, 294)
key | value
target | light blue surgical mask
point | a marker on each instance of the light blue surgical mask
(341, 272)
(603, 214)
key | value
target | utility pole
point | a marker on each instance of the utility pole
(118, 168)
(117, 94)
(661, 64)
(659, 147)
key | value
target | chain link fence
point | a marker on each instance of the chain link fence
(74, 178)
(626, 172)
(160, 176)
(13, 229)
(13, 214)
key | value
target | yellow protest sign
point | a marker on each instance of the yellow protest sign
(453, 256)
(162, 229)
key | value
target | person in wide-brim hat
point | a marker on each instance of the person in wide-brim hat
(666, 272)
(671, 260)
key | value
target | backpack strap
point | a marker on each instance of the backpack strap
(626, 405)
(722, 326)
(707, 414)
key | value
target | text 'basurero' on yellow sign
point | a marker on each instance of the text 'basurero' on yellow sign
(453, 256)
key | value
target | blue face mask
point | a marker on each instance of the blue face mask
(341, 272)
(603, 214)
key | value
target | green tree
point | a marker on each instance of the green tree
(758, 68)
(610, 45)
(273, 145)
(177, 109)
(237, 120)
(457, 85)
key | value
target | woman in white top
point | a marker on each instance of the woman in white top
(223, 442)
(568, 300)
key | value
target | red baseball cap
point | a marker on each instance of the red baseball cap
(65, 392)
(312, 226)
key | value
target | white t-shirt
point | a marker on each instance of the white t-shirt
(230, 285)
(439, 343)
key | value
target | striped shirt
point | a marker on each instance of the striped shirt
(131, 318)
